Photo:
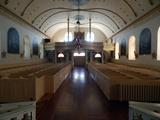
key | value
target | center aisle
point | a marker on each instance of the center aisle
(80, 99)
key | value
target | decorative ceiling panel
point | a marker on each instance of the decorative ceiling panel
(109, 16)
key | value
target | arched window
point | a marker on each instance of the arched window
(13, 41)
(66, 37)
(132, 48)
(145, 42)
(117, 51)
(123, 47)
(27, 47)
(90, 38)
(158, 45)
(35, 46)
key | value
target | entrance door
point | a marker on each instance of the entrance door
(79, 59)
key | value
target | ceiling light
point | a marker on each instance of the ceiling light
(60, 55)
(78, 22)
(97, 55)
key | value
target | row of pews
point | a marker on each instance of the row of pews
(144, 111)
(31, 82)
(126, 83)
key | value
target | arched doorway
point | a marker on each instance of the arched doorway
(79, 58)
(158, 44)
(132, 48)
(117, 51)
(27, 47)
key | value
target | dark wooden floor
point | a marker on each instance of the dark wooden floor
(80, 99)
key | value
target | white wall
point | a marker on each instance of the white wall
(153, 23)
(23, 30)
(59, 36)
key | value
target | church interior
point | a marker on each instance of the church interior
(79, 59)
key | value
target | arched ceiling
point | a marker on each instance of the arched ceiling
(109, 16)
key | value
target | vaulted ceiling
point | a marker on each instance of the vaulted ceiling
(109, 16)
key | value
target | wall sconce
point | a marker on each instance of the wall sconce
(97, 55)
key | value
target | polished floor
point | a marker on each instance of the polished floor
(79, 98)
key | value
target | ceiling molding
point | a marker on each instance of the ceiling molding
(56, 24)
(109, 11)
(62, 8)
(81, 24)
(105, 26)
(116, 16)
(152, 11)
(76, 10)
(130, 6)
(114, 21)
(27, 6)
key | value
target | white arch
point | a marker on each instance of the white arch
(27, 47)
(117, 51)
(132, 48)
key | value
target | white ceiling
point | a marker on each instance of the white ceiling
(109, 16)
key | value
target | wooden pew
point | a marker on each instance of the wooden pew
(34, 87)
(121, 86)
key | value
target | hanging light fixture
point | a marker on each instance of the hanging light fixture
(78, 22)
(61, 55)
(97, 55)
